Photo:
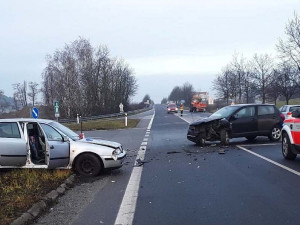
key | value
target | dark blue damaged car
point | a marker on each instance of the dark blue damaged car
(243, 120)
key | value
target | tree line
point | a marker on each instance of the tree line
(244, 80)
(85, 80)
(178, 93)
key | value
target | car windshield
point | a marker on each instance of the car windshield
(71, 134)
(224, 112)
(172, 106)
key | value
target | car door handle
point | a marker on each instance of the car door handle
(51, 147)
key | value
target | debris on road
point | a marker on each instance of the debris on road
(173, 152)
(141, 162)
(221, 151)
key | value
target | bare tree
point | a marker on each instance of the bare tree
(285, 79)
(187, 92)
(175, 94)
(87, 80)
(20, 93)
(262, 66)
(289, 48)
(33, 91)
(238, 66)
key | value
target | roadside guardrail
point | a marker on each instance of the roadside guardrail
(106, 116)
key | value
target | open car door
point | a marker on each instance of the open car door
(13, 150)
(57, 149)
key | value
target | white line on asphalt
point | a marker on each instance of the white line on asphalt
(127, 208)
(249, 145)
(144, 143)
(271, 161)
(145, 139)
(182, 117)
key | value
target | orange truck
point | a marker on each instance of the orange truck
(199, 102)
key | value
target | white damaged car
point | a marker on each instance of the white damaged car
(39, 143)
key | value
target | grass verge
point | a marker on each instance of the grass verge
(295, 101)
(21, 188)
(103, 124)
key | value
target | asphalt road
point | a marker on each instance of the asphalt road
(200, 186)
(97, 200)
(182, 183)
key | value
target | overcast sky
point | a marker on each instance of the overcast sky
(166, 42)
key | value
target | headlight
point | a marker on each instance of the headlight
(176, 108)
(117, 151)
(168, 109)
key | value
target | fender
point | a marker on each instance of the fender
(287, 129)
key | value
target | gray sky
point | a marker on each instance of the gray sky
(166, 42)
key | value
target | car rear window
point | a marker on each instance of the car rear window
(265, 110)
(9, 130)
(294, 108)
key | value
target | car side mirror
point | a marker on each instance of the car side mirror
(296, 114)
(65, 138)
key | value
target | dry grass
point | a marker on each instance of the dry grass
(103, 124)
(21, 188)
(295, 101)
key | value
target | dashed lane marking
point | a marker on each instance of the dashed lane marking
(269, 160)
(127, 208)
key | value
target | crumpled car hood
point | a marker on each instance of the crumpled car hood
(110, 144)
(204, 120)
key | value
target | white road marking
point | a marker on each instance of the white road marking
(127, 208)
(183, 118)
(144, 143)
(269, 160)
(145, 139)
(249, 145)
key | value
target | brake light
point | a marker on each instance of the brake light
(289, 115)
(282, 116)
(81, 136)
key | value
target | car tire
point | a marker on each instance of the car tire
(275, 133)
(287, 147)
(251, 138)
(200, 141)
(88, 165)
(224, 137)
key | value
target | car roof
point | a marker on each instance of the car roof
(292, 105)
(253, 104)
(26, 120)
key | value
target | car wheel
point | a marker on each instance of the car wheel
(275, 134)
(200, 140)
(88, 165)
(224, 137)
(251, 138)
(287, 148)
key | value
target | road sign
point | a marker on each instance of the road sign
(121, 106)
(56, 109)
(35, 113)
